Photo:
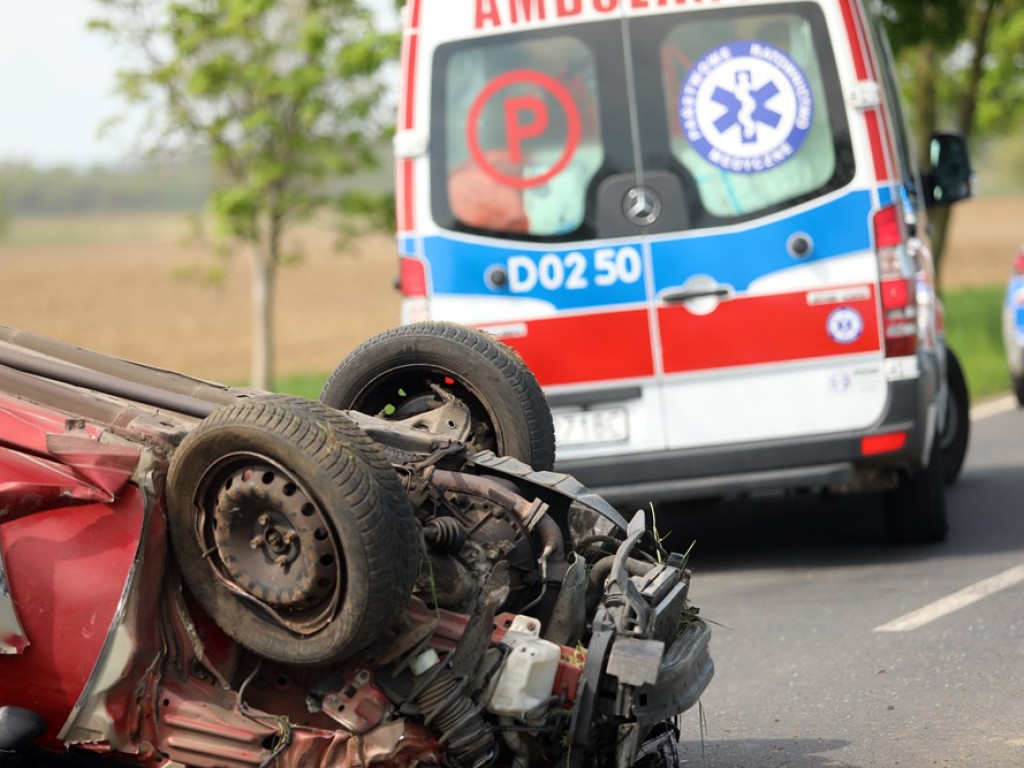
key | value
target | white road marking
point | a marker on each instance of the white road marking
(955, 601)
(993, 407)
(975, 592)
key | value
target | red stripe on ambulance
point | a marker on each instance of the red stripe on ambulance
(760, 329)
(864, 67)
(887, 140)
(404, 169)
(583, 348)
(856, 44)
(878, 156)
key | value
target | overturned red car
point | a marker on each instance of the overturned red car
(214, 576)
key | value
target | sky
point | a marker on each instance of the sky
(57, 82)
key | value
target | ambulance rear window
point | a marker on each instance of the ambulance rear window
(748, 108)
(723, 114)
(522, 139)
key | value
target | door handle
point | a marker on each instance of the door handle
(679, 295)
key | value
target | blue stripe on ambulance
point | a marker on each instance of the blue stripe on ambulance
(572, 277)
(838, 228)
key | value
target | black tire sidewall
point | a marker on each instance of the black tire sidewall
(955, 452)
(359, 614)
(1018, 389)
(503, 385)
(915, 510)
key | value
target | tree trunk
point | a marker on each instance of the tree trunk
(926, 60)
(262, 284)
(940, 216)
(926, 67)
(981, 22)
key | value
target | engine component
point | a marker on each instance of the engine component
(527, 678)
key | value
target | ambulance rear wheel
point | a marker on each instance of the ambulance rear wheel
(915, 511)
(402, 373)
(957, 427)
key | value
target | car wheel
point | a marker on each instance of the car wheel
(1018, 389)
(399, 374)
(291, 529)
(915, 511)
(956, 434)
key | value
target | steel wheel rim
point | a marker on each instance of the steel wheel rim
(268, 540)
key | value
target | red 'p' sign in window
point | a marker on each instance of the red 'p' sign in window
(527, 117)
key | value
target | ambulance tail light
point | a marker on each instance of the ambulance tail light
(898, 283)
(412, 282)
(412, 279)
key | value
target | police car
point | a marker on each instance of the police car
(701, 225)
(1013, 325)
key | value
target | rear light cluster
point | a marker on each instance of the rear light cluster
(898, 283)
(412, 279)
(412, 282)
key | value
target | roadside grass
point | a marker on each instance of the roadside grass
(974, 333)
(307, 385)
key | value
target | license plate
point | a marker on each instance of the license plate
(599, 425)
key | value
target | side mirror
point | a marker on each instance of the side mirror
(951, 178)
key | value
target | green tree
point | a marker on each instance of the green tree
(284, 96)
(963, 71)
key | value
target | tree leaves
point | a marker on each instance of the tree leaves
(284, 96)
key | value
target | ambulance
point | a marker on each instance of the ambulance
(701, 224)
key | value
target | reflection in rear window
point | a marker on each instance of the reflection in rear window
(742, 106)
(747, 113)
(522, 138)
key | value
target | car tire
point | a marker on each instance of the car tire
(394, 375)
(915, 511)
(291, 529)
(1018, 389)
(956, 434)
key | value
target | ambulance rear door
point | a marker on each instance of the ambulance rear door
(533, 223)
(764, 281)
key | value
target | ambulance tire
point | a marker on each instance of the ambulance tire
(957, 429)
(396, 375)
(915, 511)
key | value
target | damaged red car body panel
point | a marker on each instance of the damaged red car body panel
(521, 620)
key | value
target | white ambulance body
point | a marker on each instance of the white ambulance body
(694, 219)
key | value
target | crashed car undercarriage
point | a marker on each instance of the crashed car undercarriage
(391, 577)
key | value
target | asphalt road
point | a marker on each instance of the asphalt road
(822, 657)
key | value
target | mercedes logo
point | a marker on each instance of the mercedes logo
(641, 206)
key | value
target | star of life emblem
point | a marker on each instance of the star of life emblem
(746, 106)
(845, 325)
